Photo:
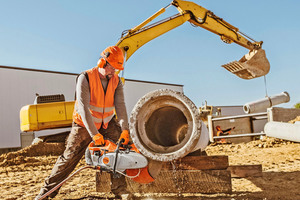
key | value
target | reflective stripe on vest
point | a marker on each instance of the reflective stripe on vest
(101, 110)
(101, 104)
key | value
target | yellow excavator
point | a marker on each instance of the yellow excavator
(252, 65)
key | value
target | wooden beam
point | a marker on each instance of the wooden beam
(179, 181)
(198, 163)
(242, 171)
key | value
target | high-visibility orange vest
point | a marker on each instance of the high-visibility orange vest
(101, 103)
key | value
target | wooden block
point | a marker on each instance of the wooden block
(241, 171)
(186, 181)
(198, 163)
(179, 181)
(103, 182)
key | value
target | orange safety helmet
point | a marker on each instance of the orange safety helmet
(114, 56)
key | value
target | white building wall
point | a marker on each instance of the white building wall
(18, 88)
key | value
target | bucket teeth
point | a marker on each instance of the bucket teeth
(238, 69)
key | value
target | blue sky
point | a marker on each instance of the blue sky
(68, 36)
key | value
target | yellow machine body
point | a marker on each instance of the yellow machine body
(46, 116)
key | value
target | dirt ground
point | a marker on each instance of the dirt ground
(22, 173)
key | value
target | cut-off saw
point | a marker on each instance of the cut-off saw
(116, 158)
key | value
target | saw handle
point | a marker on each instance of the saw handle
(117, 152)
(121, 142)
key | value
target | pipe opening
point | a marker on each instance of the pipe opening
(166, 126)
(246, 109)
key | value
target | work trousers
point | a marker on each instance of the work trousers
(76, 145)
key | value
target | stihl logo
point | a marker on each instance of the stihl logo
(105, 160)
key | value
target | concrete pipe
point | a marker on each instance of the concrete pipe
(283, 130)
(263, 104)
(165, 125)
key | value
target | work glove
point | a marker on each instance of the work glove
(124, 135)
(98, 139)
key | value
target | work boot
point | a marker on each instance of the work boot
(129, 196)
(44, 191)
(39, 196)
(117, 196)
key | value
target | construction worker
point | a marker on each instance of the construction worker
(99, 94)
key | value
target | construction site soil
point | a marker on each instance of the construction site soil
(22, 173)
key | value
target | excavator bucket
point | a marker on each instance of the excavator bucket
(252, 65)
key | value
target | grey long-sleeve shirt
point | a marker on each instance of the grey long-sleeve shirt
(83, 99)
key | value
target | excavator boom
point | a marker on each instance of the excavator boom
(252, 65)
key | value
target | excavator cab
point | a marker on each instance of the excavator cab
(252, 65)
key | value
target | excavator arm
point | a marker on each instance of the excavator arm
(252, 65)
(59, 114)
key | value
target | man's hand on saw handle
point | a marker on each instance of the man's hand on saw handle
(98, 139)
(125, 136)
